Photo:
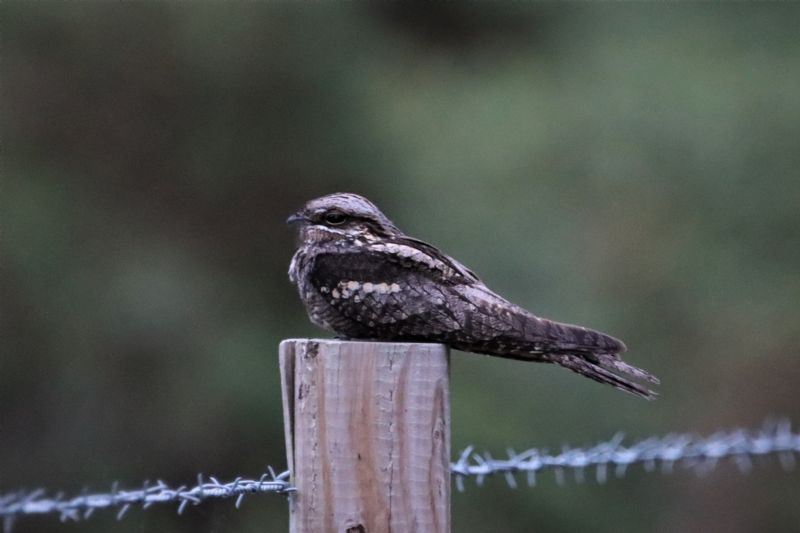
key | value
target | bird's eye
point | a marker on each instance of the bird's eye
(334, 218)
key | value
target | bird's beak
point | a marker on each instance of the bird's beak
(297, 217)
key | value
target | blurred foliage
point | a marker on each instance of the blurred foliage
(631, 167)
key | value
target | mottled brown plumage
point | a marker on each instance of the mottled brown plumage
(361, 277)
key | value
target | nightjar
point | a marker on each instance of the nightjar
(362, 278)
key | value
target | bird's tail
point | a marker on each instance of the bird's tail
(602, 368)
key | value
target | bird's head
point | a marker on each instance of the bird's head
(342, 216)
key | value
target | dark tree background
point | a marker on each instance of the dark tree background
(629, 167)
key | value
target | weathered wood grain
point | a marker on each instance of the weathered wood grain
(367, 436)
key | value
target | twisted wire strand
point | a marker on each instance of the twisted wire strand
(684, 450)
(81, 507)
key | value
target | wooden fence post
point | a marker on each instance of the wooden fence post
(367, 436)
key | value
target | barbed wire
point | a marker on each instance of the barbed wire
(684, 450)
(80, 507)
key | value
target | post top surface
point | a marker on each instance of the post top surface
(339, 342)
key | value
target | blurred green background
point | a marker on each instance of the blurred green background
(630, 167)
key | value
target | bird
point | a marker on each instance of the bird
(362, 278)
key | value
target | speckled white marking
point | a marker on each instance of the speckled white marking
(394, 287)
(367, 287)
(335, 293)
(293, 266)
(408, 252)
(381, 288)
(353, 285)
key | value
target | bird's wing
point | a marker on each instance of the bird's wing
(412, 290)
(394, 293)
